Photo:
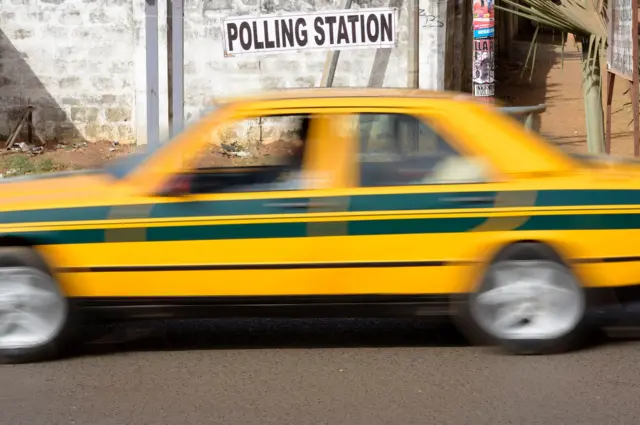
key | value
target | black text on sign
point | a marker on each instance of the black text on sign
(338, 30)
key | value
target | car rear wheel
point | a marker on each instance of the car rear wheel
(34, 313)
(529, 303)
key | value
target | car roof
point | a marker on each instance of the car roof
(342, 92)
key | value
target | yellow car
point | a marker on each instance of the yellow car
(324, 202)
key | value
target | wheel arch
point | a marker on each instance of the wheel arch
(547, 249)
(539, 248)
(14, 241)
(10, 240)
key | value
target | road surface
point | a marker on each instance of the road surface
(319, 372)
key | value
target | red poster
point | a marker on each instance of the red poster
(483, 18)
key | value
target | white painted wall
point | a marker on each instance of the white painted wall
(82, 62)
(433, 22)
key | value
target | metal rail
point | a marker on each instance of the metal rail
(528, 114)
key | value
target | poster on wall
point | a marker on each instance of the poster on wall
(483, 18)
(484, 90)
(483, 67)
(327, 30)
(621, 38)
(483, 61)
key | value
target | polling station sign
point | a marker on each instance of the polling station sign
(327, 30)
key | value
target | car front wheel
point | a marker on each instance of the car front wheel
(34, 313)
(533, 306)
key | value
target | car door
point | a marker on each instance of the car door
(229, 223)
(417, 204)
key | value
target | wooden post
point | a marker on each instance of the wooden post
(611, 79)
(331, 62)
(483, 77)
(30, 126)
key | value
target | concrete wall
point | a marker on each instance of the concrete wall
(82, 62)
(72, 59)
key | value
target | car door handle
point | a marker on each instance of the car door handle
(470, 199)
(299, 205)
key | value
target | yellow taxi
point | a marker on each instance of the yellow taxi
(330, 203)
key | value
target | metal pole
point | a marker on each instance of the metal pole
(413, 77)
(170, 66)
(635, 82)
(153, 110)
(177, 66)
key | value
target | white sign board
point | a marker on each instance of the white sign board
(621, 38)
(327, 30)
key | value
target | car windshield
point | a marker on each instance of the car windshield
(122, 167)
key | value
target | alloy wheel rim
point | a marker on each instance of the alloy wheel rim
(528, 300)
(32, 309)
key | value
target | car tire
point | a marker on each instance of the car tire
(35, 316)
(528, 301)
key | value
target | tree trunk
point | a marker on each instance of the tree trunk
(592, 92)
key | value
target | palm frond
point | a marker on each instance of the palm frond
(587, 20)
(582, 18)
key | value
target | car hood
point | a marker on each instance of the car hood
(53, 190)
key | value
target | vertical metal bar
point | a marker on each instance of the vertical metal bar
(170, 65)
(413, 74)
(412, 130)
(331, 63)
(177, 66)
(153, 110)
(635, 82)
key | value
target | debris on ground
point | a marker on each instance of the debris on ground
(23, 158)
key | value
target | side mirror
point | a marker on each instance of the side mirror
(177, 186)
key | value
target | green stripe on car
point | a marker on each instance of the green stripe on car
(353, 228)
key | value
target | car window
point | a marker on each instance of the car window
(122, 167)
(253, 155)
(399, 150)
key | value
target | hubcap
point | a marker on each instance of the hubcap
(528, 300)
(32, 310)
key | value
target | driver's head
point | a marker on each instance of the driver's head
(303, 132)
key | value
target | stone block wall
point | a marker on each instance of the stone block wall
(82, 62)
(73, 60)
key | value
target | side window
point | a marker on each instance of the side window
(401, 150)
(253, 155)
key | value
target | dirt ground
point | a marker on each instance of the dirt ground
(555, 81)
(28, 159)
(61, 157)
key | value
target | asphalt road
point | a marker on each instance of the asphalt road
(319, 372)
